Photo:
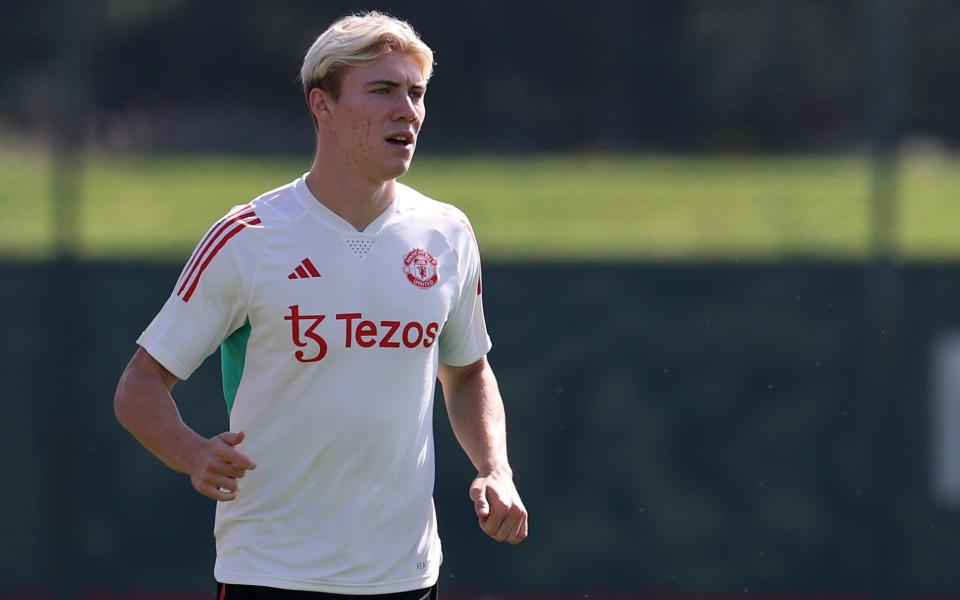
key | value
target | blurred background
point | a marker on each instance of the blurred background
(722, 273)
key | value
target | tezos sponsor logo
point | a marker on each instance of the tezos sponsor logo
(306, 333)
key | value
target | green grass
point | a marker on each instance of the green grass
(523, 208)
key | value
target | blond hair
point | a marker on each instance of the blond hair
(355, 40)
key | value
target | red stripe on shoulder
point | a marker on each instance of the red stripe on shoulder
(210, 239)
(197, 251)
(240, 226)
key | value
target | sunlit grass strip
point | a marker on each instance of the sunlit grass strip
(553, 208)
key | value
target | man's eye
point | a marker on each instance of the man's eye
(416, 94)
(382, 91)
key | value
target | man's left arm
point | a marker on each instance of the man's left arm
(476, 414)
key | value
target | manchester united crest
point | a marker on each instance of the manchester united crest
(421, 268)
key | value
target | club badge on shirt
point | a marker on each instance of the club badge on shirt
(421, 268)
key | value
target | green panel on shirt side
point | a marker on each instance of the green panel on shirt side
(233, 351)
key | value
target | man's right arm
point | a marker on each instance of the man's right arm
(144, 406)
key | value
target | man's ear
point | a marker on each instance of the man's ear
(320, 104)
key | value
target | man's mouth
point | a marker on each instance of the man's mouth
(400, 139)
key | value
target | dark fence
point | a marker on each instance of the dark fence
(674, 429)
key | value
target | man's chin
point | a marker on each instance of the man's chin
(398, 169)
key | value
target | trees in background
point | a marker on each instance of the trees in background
(697, 75)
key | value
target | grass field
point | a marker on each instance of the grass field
(523, 208)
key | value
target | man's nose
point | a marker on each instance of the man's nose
(406, 110)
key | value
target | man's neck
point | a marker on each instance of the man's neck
(355, 200)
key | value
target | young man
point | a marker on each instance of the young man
(337, 301)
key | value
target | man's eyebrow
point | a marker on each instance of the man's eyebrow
(393, 84)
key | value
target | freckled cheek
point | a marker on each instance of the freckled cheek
(361, 131)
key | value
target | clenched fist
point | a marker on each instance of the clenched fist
(218, 465)
(499, 509)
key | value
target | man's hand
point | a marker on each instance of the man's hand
(217, 466)
(499, 509)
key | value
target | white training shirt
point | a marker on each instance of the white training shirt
(330, 344)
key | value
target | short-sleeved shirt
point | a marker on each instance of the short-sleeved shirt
(330, 340)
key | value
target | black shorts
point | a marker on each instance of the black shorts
(230, 591)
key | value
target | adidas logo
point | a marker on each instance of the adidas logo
(305, 270)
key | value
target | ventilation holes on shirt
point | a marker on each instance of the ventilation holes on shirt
(360, 246)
